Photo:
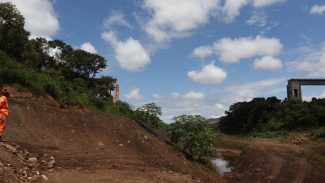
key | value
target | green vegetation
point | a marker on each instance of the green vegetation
(272, 117)
(319, 133)
(193, 135)
(53, 68)
(50, 67)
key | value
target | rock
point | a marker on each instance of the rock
(21, 156)
(51, 164)
(32, 160)
(121, 145)
(44, 178)
(34, 178)
(101, 144)
(10, 148)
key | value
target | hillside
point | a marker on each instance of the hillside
(92, 147)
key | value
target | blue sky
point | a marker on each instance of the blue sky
(192, 56)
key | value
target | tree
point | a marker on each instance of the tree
(102, 86)
(13, 36)
(149, 113)
(85, 64)
(37, 55)
(193, 134)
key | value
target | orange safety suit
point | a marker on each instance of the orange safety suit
(3, 113)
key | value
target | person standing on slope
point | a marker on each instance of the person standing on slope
(3, 108)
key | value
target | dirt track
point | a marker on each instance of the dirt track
(97, 147)
(277, 162)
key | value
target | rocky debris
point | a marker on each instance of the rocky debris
(26, 167)
(301, 139)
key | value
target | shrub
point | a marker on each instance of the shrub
(193, 135)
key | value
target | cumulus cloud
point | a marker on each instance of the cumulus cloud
(317, 9)
(263, 3)
(231, 9)
(267, 63)
(87, 46)
(130, 54)
(209, 74)
(117, 18)
(172, 18)
(202, 51)
(134, 94)
(233, 50)
(40, 17)
(193, 95)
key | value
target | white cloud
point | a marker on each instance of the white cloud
(267, 63)
(156, 96)
(202, 51)
(209, 74)
(117, 18)
(130, 55)
(176, 95)
(193, 95)
(309, 60)
(134, 95)
(87, 46)
(317, 9)
(247, 91)
(40, 17)
(258, 18)
(172, 18)
(233, 50)
(263, 3)
(231, 9)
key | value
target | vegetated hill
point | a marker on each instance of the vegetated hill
(91, 147)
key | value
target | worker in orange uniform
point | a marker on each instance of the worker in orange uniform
(3, 108)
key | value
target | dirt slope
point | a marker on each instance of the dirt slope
(96, 147)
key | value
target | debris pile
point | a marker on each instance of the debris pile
(25, 166)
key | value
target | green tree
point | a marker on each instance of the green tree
(13, 36)
(85, 64)
(149, 114)
(193, 135)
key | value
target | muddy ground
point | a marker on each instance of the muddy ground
(278, 161)
(89, 147)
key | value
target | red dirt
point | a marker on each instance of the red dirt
(277, 162)
(95, 147)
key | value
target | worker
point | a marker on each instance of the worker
(3, 108)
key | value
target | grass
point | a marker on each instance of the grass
(269, 134)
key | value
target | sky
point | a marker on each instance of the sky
(192, 56)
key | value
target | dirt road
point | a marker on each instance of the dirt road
(277, 162)
(94, 147)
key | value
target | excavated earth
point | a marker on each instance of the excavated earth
(44, 143)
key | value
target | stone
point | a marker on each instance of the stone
(34, 178)
(44, 178)
(10, 148)
(32, 160)
(51, 164)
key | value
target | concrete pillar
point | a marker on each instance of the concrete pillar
(294, 91)
(116, 96)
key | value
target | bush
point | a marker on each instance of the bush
(319, 133)
(193, 135)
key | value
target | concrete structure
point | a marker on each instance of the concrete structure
(294, 87)
(116, 90)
